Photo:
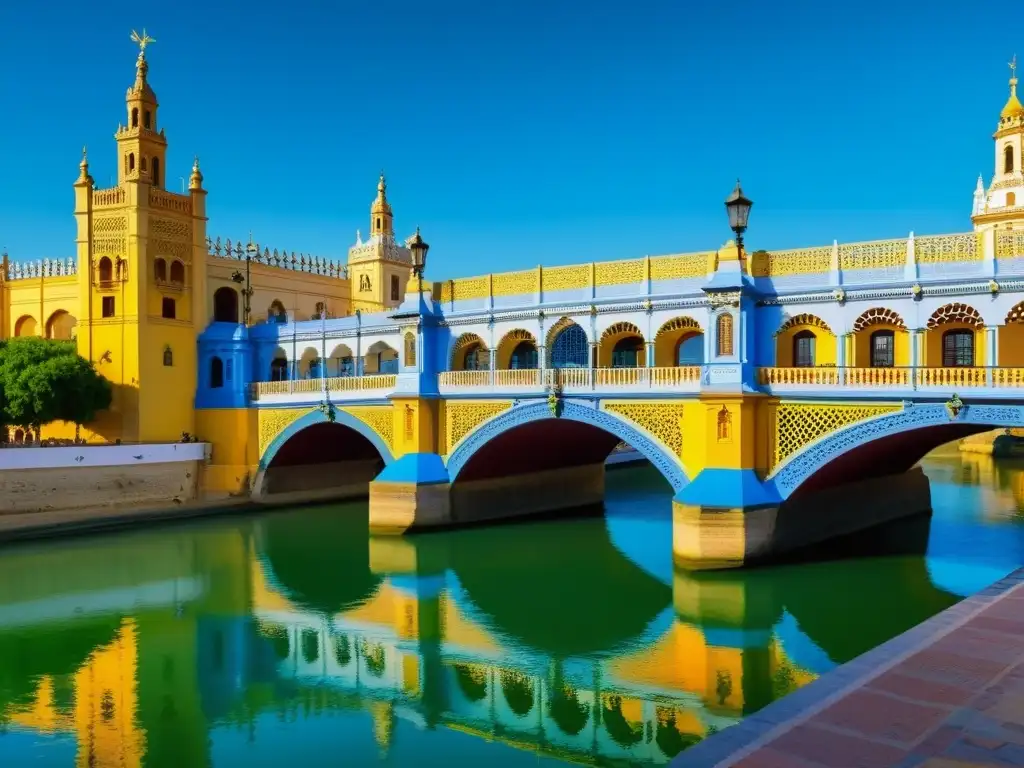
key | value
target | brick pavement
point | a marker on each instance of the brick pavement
(947, 694)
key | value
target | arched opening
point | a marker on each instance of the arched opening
(135, 117)
(216, 372)
(168, 308)
(380, 358)
(409, 342)
(276, 313)
(1008, 159)
(621, 346)
(569, 346)
(309, 364)
(61, 326)
(524, 357)
(342, 362)
(147, 120)
(324, 457)
(1010, 338)
(177, 272)
(816, 345)
(880, 340)
(803, 349)
(156, 171)
(396, 292)
(680, 339)
(469, 353)
(131, 162)
(25, 326)
(160, 270)
(1011, 199)
(225, 305)
(279, 367)
(106, 270)
(955, 337)
(168, 357)
(517, 350)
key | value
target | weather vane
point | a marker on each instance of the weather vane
(142, 40)
(1013, 66)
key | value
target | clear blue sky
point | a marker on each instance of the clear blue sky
(517, 133)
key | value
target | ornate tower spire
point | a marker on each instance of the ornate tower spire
(196, 180)
(83, 171)
(1001, 206)
(380, 211)
(141, 144)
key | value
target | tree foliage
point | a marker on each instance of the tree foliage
(43, 380)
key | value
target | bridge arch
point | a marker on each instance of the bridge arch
(313, 435)
(599, 429)
(888, 444)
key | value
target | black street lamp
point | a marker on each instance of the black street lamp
(418, 248)
(237, 277)
(738, 208)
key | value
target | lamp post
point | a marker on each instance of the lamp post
(418, 248)
(238, 278)
(738, 207)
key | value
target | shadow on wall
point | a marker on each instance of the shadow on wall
(324, 457)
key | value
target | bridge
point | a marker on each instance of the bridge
(758, 384)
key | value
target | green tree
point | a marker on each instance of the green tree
(44, 380)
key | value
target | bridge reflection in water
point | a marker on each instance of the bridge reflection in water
(291, 638)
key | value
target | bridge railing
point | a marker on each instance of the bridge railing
(574, 379)
(336, 386)
(895, 377)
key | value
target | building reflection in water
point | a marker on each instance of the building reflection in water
(295, 635)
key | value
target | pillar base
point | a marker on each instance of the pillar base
(411, 493)
(707, 537)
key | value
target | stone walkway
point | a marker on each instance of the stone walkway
(947, 694)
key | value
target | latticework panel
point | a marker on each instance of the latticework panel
(619, 272)
(566, 278)
(878, 316)
(663, 420)
(274, 422)
(681, 266)
(461, 418)
(1016, 314)
(379, 418)
(955, 313)
(799, 424)
(514, 283)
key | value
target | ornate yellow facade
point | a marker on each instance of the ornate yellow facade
(145, 280)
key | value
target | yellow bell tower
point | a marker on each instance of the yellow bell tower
(379, 268)
(1001, 206)
(142, 277)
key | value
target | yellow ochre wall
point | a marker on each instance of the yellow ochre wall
(862, 346)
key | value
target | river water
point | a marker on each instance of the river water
(287, 639)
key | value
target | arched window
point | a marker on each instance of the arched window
(626, 352)
(142, 164)
(131, 162)
(690, 350)
(216, 373)
(279, 369)
(958, 349)
(177, 272)
(883, 349)
(524, 356)
(477, 358)
(1011, 199)
(410, 349)
(395, 293)
(570, 348)
(160, 269)
(156, 171)
(147, 120)
(1008, 159)
(167, 308)
(225, 305)
(803, 349)
(135, 117)
(168, 357)
(106, 270)
(723, 328)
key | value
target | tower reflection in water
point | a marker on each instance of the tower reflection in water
(295, 637)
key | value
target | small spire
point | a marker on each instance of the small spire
(1013, 106)
(195, 182)
(83, 169)
(382, 185)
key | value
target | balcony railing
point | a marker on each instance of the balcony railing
(575, 378)
(334, 384)
(896, 377)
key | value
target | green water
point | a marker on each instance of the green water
(288, 639)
